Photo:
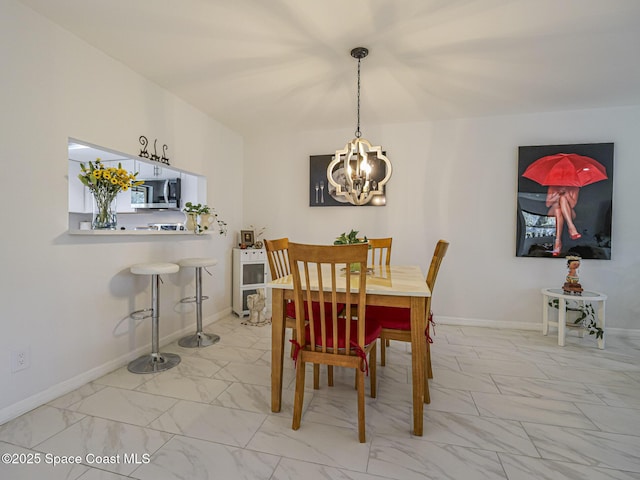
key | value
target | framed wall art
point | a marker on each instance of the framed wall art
(565, 197)
(322, 193)
(247, 237)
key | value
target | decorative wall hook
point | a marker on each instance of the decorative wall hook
(154, 156)
(143, 151)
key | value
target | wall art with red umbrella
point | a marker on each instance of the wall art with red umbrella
(564, 200)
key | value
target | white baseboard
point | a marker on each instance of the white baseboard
(67, 386)
(479, 322)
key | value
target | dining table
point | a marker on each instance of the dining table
(387, 285)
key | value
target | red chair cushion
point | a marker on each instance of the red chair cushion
(371, 332)
(291, 309)
(396, 318)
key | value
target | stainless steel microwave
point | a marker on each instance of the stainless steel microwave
(158, 194)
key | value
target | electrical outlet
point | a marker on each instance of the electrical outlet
(20, 359)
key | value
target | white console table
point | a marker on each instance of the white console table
(587, 296)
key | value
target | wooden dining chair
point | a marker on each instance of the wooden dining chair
(278, 257)
(328, 337)
(380, 250)
(396, 322)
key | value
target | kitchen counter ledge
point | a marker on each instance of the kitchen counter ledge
(132, 232)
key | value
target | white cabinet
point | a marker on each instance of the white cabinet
(155, 171)
(250, 272)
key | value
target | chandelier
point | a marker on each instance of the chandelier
(366, 168)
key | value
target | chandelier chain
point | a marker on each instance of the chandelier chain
(358, 134)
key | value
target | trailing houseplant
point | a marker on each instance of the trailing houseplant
(586, 316)
(196, 209)
(200, 216)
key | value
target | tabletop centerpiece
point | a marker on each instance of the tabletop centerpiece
(105, 183)
(201, 216)
(349, 239)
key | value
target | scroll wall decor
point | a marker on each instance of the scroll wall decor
(153, 156)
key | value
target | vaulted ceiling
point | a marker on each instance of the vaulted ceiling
(263, 64)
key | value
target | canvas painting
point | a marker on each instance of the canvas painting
(565, 197)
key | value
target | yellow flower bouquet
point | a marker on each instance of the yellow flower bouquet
(105, 183)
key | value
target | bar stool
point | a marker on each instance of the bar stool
(156, 361)
(199, 339)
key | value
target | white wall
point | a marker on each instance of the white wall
(67, 298)
(458, 180)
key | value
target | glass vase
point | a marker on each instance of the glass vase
(105, 216)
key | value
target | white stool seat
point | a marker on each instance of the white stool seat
(154, 268)
(198, 262)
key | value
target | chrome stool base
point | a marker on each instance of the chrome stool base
(198, 340)
(154, 362)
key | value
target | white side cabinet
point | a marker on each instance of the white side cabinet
(250, 272)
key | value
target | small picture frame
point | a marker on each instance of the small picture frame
(247, 237)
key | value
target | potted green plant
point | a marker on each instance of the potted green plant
(197, 208)
(200, 217)
(349, 239)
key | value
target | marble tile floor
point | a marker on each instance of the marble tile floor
(505, 405)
